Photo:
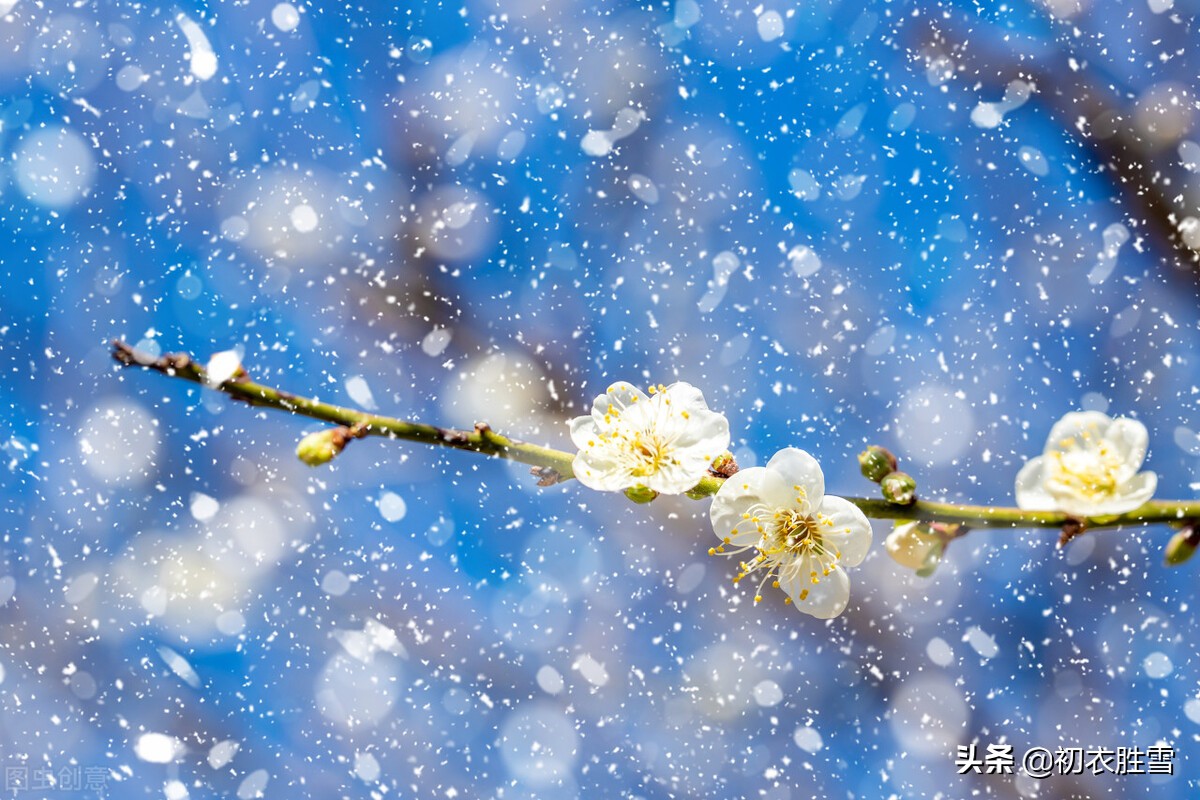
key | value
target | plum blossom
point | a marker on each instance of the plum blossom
(792, 532)
(662, 442)
(1089, 467)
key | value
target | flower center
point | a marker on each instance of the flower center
(1087, 467)
(792, 546)
(793, 532)
(649, 453)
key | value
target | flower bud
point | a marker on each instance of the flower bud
(320, 447)
(876, 462)
(917, 546)
(899, 488)
(1182, 546)
(640, 494)
(724, 465)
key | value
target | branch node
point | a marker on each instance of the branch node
(547, 476)
(1071, 528)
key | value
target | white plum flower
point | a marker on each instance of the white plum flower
(1088, 468)
(662, 442)
(793, 533)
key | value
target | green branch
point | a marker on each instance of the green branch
(552, 466)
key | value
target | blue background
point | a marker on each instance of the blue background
(351, 179)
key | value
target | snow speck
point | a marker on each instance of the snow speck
(54, 167)
(130, 78)
(934, 423)
(392, 507)
(511, 145)
(939, 652)
(1191, 708)
(804, 185)
(8, 586)
(222, 753)
(180, 666)
(360, 392)
(550, 680)
(687, 13)
(991, 115)
(1160, 6)
(770, 26)
(285, 17)
(767, 693)
(203, 507)
(1189, 155)
(82, 586)
(1157, 665)
(231, 623)
(724, 264)
(366, 767)
(254, 785)
(436, 341)
(901, 117)
(304, 218)
(222, 366)
(335, 583)
(7, 6)
(803, 260)
(643, 189)
(202, 59)
(928, 715)
(119, 442)
(597, 143)
(158, 748)
(1032, 159)
(592, 670)
(982, 643)
(1187, 440)
(881, 341)
(175, 790)
(1115, 235)
(690, 578)
(539, 744)
(808, 739)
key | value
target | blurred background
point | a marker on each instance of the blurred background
(935, 226)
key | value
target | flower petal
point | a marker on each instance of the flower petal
(1076, 425)
(798, 468)
(1131, 440)
(584, 432)
(1133, 493)
(677, 478)
(619, 396)
(1031, 492)
(824, 599)
(846, 529)
(742, 496)
(595, 470)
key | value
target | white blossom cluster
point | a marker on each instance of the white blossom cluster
(778, 520)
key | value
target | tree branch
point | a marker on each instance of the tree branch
(552, 466)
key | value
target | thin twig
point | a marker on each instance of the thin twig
(552, 466)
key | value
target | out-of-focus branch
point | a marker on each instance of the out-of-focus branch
(1091, 111)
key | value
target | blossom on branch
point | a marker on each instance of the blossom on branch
(1088, 468)
(792, 532)
(662, 442)
(917, 546)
